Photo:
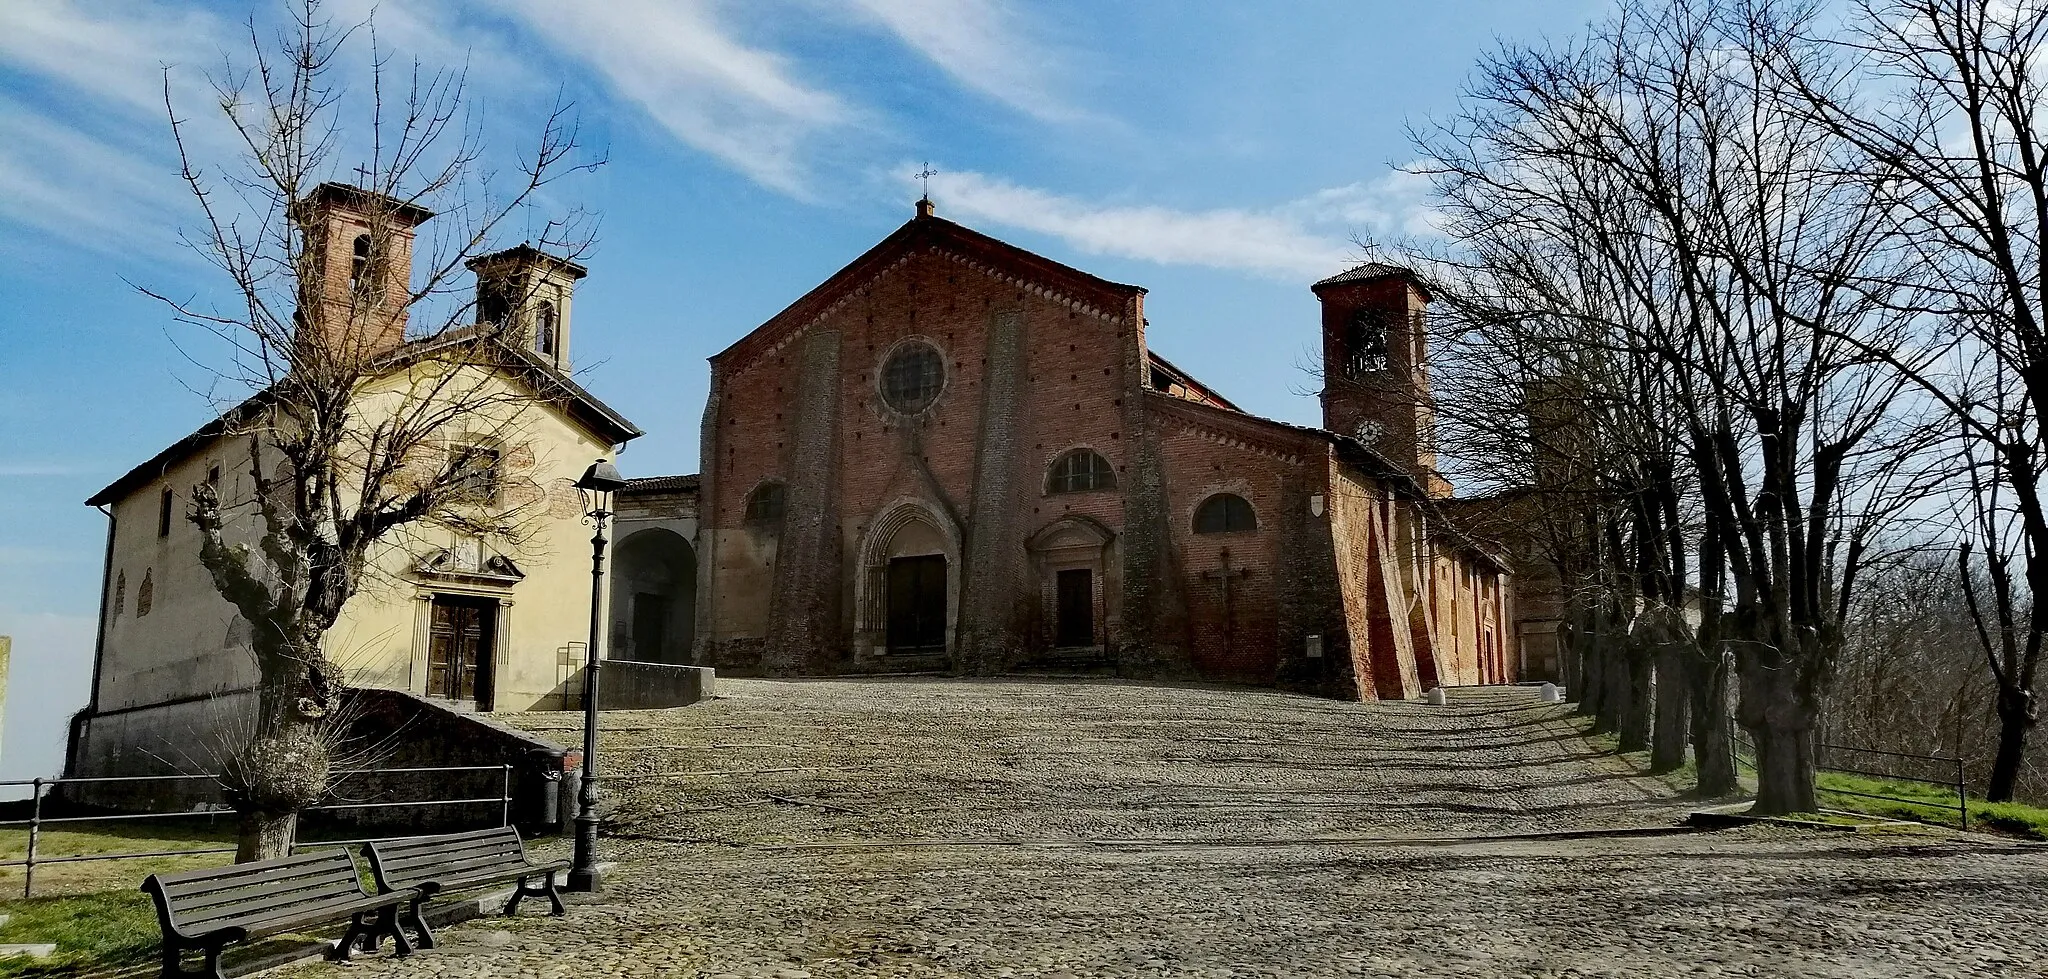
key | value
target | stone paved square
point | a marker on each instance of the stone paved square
(900, 828)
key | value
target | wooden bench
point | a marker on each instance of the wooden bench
(430, 865)
(208, 910)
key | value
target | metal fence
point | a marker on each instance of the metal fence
(36, 820)
(1952, 775)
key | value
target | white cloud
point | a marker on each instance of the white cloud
(741, 104)
(1311, 237)
(982, 44)
(82, 188)
(88, 160)
(1394, 206)
(117, 60)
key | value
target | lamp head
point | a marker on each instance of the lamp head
(601, 477)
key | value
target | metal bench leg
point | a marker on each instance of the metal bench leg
(212, 968)
(415, 914)
(518, 894)
(547, 883)
(346, 948)
(388, 923)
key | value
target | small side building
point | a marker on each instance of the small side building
(461, 622)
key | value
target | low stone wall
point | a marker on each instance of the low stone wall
(389, 729)
(633, 685)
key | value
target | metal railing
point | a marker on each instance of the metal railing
(36, 820)
(1954, 779)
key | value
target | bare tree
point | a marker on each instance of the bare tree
(1643, 187)
(371, 422)
(1943, 101)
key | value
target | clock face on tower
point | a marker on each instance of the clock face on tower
(1368, 431)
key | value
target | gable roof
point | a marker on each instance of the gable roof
(928, 230)
(552, 386)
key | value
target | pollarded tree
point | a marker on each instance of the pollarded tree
(1942, 100)
(1703, 230)
(378, 396)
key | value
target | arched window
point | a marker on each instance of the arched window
(1081, 471)
(359, 266)
(913, 377)
(764, 505)
(544, 329)
(1365, 342)
(1225, 513)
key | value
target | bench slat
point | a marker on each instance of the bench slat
(472, 853)
(399, 878)
(212, 877)
(454, 860)
(282, 889)
(466, 849)
(430, 842)
(486, 879)
(246, 904)
(271, 924)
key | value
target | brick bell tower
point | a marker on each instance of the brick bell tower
(1376, 367)
(360, 244)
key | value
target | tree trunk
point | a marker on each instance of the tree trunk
(1778, 709)
(280, 772)
(1667, 745)
(1568, 672)
(1593, 684)
(1614, 674)
(1710, 743)
(1635, 716)
(266, 836)
(1784, 771)
(2014, 723)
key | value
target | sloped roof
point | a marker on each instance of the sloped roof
(928, 229)
(1373, 270)
(550, 384)
(661, 484)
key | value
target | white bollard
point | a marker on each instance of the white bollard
(1552, 695)
(1436, 697)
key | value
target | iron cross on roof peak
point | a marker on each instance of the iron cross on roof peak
(924, 176)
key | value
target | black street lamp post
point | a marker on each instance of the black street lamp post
(598, 484)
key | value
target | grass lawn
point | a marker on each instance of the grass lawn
(1929, 803)
(1917, 800)
(91, 839)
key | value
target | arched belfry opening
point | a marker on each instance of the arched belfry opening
(909, 585)
(654, 588)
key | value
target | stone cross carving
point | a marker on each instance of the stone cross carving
(1226, 582)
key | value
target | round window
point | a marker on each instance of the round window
(913, 377)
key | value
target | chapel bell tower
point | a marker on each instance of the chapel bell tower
(360, 243)
(1376, 367)
(527, 292)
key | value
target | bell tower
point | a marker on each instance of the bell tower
(359, 245)
(1376, 367)
(526, 293)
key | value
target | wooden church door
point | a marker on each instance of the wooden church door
(917, 602)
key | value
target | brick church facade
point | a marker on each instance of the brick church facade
(958, 455)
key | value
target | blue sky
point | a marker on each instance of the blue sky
(1223, 155)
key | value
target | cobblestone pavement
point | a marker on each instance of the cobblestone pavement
(1039, 828)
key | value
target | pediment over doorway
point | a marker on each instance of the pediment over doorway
(1071, 532)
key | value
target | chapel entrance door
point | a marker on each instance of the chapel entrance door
(917, 603)
(650, 626)
(1075, 615)
(460, 647)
